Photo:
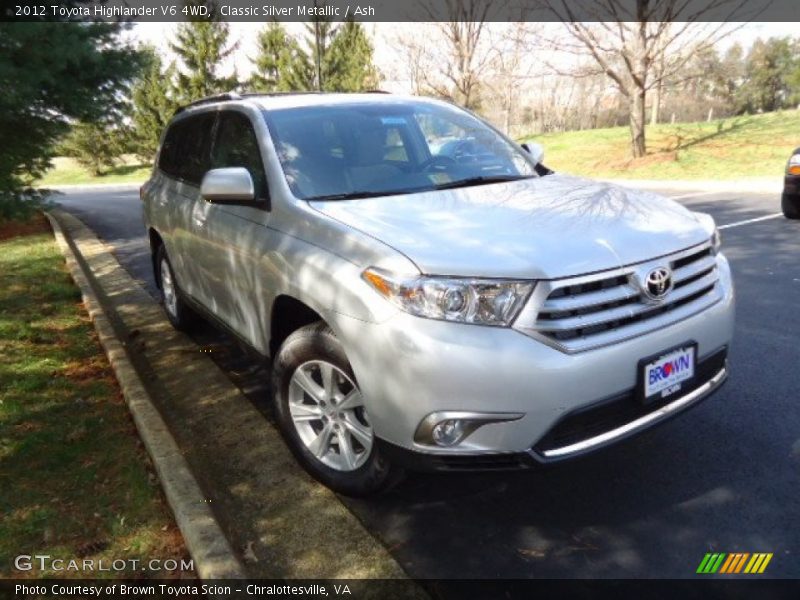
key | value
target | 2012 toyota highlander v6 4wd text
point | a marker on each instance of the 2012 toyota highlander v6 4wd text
(429, 294)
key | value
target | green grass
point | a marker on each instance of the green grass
(67, 171)
(74, 481)
(734, 148)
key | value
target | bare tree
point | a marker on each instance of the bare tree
(413, 57)
(659, 64)
(640, 44)
(455, 58)
(511, 67)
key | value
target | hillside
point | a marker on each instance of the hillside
(746, 146)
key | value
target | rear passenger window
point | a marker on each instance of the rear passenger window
(186, 151)
(237, 146)
(168, 157)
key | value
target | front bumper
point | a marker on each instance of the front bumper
(408, 368)
(581, 432)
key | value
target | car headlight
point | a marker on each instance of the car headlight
(478, 301)
(793, 166)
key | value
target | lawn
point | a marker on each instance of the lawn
(74, 479)
(67, 171)
(735, 148)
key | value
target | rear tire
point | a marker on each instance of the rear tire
(321, 414)
(790, 206)
(179, 314)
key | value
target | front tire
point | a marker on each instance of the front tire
(179, 314)
(790, 206)
(321, 414)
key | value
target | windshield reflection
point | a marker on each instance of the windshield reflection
(361, 149)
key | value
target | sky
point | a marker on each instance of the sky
(384, 36)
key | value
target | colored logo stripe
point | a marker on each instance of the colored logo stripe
(720, 562)
(758, 563)
(710, 563)
(734, 563)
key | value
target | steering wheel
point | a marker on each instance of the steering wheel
(437, 162)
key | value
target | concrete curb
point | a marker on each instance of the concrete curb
(212, 554)
(266, 506)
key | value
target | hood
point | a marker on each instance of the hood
(544, 228)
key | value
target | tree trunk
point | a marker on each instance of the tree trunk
(656, 108)
(318, 55)
(507, 116)
(637, 120)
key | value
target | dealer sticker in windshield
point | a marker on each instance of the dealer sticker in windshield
(664, 375)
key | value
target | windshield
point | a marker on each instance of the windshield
(373, 149)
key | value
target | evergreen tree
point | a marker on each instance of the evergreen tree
(96, 145)
(321, 33)
(276, 52)
(201, 47)
(349, 66)
(769, 71)
(152, 106)
(332, 58)
(51, 73)
(305, 67)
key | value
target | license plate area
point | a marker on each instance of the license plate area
(667, 373)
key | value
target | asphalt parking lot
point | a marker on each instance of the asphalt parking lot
(723, 477)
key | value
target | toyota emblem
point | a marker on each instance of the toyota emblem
(658, 283)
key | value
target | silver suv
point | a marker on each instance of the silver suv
(427, 293)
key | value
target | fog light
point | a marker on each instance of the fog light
(447, 433)
(447, 428)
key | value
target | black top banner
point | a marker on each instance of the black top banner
(403, 11)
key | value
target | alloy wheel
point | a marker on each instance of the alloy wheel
(168, 289)
(328, 412)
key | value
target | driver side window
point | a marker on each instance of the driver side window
(461, 143)
(236, 145)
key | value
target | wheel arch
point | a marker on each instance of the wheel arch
(156, 241)
(287, 316)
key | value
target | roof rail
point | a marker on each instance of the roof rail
(209, 99)
(308, 93)
(288, 93)
(239, 96)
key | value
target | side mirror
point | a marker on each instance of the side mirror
(535, 150)
(232, 185)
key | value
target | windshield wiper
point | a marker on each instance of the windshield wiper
(480, 180)
(349, 195)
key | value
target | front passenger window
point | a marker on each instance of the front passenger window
(237, 146)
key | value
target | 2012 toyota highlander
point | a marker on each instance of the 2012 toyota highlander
(427, 293)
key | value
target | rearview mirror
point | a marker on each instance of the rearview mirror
(232, 185)
(535, 150)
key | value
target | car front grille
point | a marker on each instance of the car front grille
(586, 312)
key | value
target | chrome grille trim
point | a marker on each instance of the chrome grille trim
(701, 266)
(581, 313)
(642, 422)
